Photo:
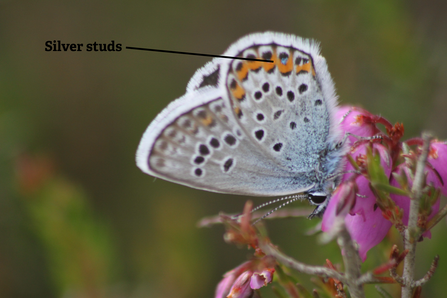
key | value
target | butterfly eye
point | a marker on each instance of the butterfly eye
(317, 199)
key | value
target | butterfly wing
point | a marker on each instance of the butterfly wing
(251, 128)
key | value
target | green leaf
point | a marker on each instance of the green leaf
(352, 162)
(375, 171)
(401, 179)
(390, 189)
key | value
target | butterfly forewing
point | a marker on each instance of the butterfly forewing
(248, 127)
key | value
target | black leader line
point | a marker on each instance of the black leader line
(197, 54)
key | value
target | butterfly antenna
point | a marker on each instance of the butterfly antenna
(265, 204)
(290, 199)
(276, 201)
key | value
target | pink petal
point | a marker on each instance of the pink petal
(356, 121)
(367, 226)
(365, 222)
(341, 202)
(257, 281)
(241, 287)
(438, 159)
(224, 286)
(261, 279)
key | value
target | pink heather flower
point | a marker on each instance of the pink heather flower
(364, 222)
(258, 280)
(224, 286)
(341, 202)
(242, 280)
(437, 157)
(404, 202)
(356, 121)
(241, 287)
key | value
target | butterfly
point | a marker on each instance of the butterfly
(251, 127)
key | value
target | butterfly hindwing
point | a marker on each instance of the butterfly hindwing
(204, 147)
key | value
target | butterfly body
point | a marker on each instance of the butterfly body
(251, 127)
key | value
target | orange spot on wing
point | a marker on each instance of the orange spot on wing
(305, 67)
(253, 65)
(237, 110)
(243, 72)
(268, 65)
(207, 121)
(238, 92)
(285, 68)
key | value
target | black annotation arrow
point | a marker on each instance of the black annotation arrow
(59, 46)
(197, 54)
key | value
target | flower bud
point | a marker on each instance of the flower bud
(241, 287)
(242, 280)
(260, 279)
(356, 121)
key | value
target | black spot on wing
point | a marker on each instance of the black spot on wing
(211, 79)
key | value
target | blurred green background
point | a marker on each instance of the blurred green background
(78, 219)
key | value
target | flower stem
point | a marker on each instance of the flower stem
(270, 249)
(411, 234)
(351, 260)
